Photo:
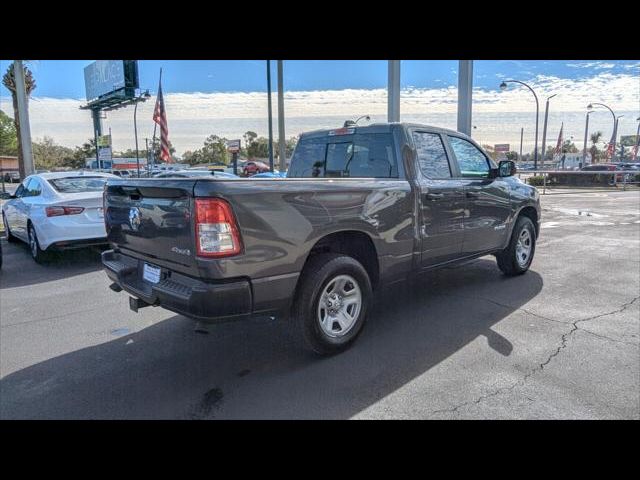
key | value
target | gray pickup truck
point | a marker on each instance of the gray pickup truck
(361, 207)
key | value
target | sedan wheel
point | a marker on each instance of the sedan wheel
(37, 253)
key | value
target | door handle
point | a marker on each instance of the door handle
(434, 196)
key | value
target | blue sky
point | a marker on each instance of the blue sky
(64, 78)
(228, 98)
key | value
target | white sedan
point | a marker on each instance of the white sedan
(57, 211)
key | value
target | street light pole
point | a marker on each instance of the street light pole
(141, 98)
(521, 135)
(613, 136)
(270, 115)
(544, 128)
(586, 135)
(635, 150)
(503, 86)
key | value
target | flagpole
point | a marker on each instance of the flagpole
(155, 126)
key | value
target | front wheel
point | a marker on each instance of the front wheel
(517, 257)
(10, 237)
(331, 304)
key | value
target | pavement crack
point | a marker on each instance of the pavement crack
(563, 343)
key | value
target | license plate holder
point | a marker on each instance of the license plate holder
(151, 273)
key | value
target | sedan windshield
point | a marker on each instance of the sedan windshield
(78, 184)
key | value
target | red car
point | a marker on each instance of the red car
(251, 168)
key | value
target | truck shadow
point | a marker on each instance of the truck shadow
(252, 370)
(19, 269)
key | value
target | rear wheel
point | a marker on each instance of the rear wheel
(37, 253)
(517, 257)
(331, 304)
(10, 237)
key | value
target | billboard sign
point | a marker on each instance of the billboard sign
(233, 146)
(501, 147)
(106, 76)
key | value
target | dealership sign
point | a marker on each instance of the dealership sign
(501, 147)
(233, 146)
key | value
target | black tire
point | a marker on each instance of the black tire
(507, 259)
(319, 272)
(10, 237)
(39, 255)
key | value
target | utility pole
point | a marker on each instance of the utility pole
(282, 148)
(270, 115)
(521, 135)
(584, 147)
(393, 91)
(465, 92)
(544, 128)
(23, 118)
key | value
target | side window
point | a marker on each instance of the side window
(21, 191)
(432, 157)
(471, 161)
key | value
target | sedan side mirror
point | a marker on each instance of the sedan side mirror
(6, 196)
(506, 168)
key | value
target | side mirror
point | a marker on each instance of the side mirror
(6, 196)
(506, 168)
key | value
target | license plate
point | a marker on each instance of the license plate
(151, 273)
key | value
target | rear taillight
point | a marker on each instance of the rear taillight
(217, 234)
(60, 210)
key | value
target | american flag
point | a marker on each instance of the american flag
(560, 142)
(160, 117)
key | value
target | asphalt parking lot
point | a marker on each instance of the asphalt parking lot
(561, 342)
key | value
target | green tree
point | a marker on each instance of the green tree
(259, 148)
(513, 156)
(596, 153)
(80, 155)
(8, 135)
(48, 155)
(9, 81)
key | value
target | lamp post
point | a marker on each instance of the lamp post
(503, 86)
(635, 150)
(141, 98)
(270, 115)
(544, 127)
(586, 135)
(521, 135)
(613, 136)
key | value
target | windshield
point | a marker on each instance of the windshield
(78, 184)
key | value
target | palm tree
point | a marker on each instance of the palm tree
(595, 137)
(9, 81)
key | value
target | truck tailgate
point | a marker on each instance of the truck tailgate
(153, 220)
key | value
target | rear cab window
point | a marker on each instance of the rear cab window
(351, 155)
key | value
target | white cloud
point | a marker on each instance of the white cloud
(594, 65)
(193, 116)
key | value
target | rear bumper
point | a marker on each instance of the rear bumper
(73, 244)
(179, 293)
